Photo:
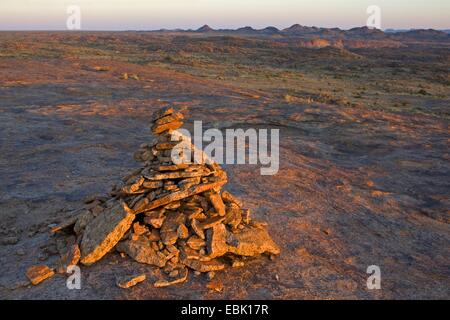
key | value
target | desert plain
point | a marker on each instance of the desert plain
(364, 175)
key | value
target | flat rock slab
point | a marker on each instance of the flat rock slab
(37, 274)
(126, 282)
(104, 232)
(251, 241)
(169, 118)
(179, 195)
(204, 266)
(178, 175)
(158, 129)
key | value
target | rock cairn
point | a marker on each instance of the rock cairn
(172, 216)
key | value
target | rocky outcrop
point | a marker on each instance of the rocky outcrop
(167, 214)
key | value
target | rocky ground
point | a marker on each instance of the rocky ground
(360, 182)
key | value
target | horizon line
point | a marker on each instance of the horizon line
(219, 29)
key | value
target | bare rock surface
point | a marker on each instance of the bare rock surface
(359, 184)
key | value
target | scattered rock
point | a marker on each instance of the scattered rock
(204, 266)
(37, 274)
(9, 240)
(215, 286)
(101, 68)
(180, 278)
(126, 282)
(251, 241)
(237, 263)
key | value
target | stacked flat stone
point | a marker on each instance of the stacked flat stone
(172, 216)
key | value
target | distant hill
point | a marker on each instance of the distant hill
(396, 30)
(246, 30)
(426, 33)
(415, 30)
(270, 30)
(365, 32)
(205, 28)
(299, 29)
(318, 37)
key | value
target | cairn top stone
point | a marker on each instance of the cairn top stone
(161, 113)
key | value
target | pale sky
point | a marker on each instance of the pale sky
(171, 14)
